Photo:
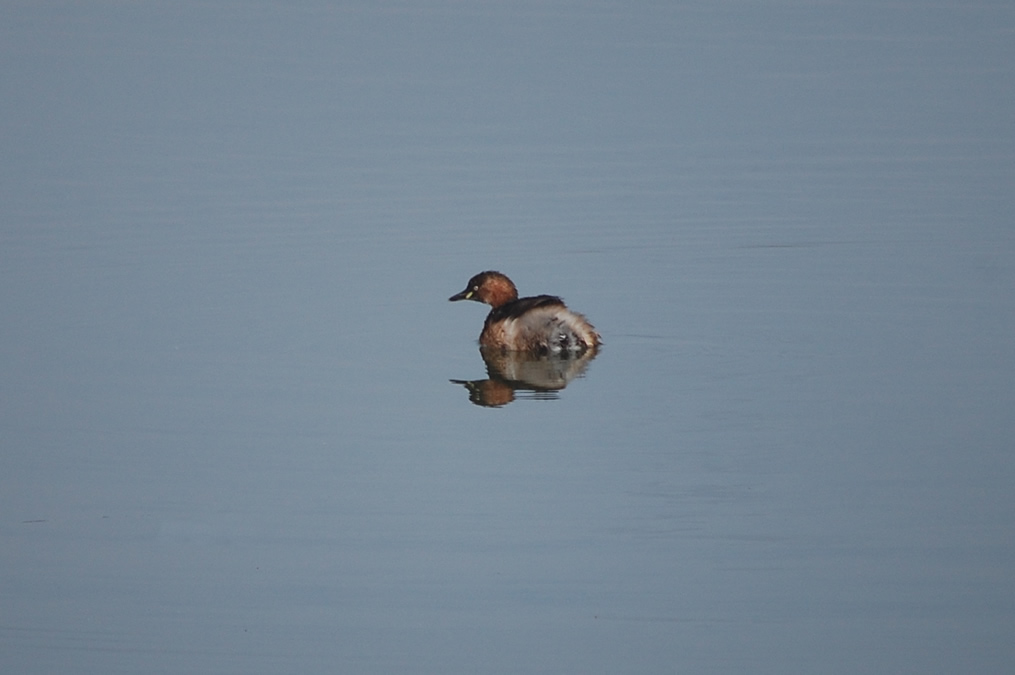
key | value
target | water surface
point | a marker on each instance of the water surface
(234, 433)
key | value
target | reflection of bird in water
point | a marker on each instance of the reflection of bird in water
(541, 375)
(541, 324)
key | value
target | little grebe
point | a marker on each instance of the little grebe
(541, 324)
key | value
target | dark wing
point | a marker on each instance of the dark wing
(516, 308)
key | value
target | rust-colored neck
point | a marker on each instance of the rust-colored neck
(497, 290)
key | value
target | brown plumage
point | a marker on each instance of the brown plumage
(541, 324)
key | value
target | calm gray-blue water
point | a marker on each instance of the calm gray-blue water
(242, 430)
